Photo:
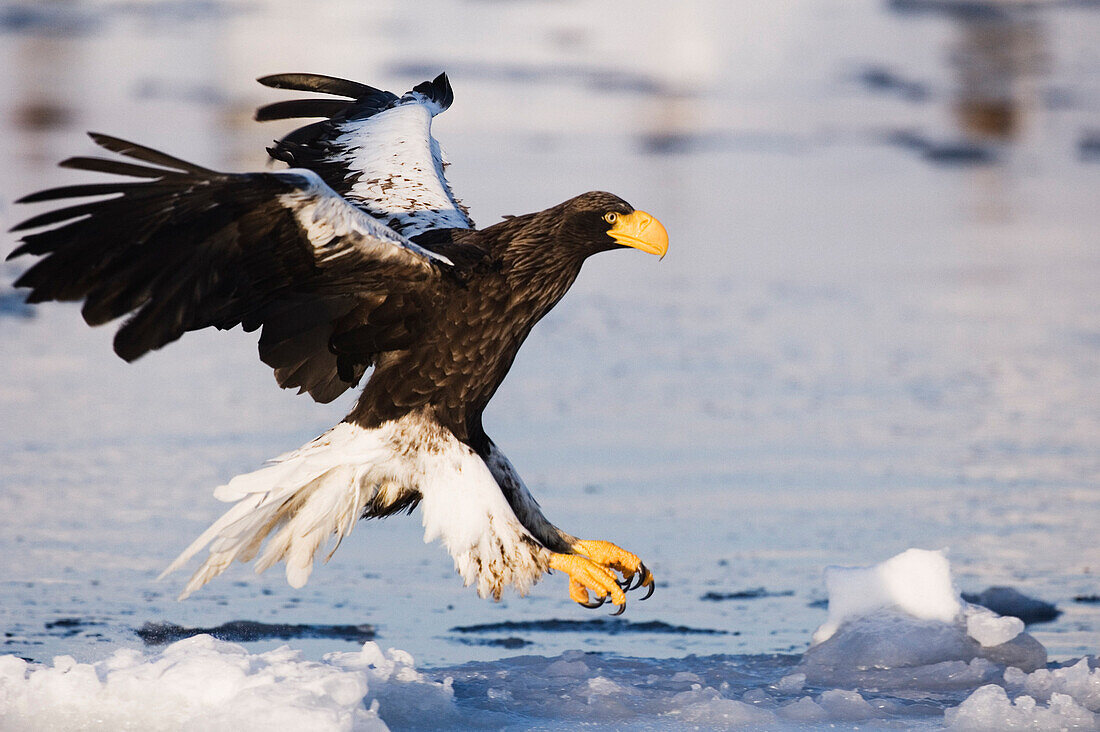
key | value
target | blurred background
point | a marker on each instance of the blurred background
(878, 325)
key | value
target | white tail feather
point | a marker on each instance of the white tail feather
(307, 497)
(317, 493)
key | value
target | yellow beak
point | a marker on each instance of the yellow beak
(641, 231)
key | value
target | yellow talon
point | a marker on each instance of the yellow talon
(577, 593)
(610, 555)
(586, 575)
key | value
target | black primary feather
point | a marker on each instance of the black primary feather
(148, 154)
(438, 90)
(319, 83)
(296, 108)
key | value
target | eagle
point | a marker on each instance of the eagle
(357, 262)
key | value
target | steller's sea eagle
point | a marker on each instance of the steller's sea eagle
(357, 258)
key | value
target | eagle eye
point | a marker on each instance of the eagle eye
(610, 217)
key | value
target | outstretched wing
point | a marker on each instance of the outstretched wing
(375, 148)
(189, 248)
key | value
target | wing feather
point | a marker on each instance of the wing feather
(296, 108)
(320, 83)
(374, 148)
(191, 248)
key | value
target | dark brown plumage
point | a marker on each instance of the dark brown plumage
(482, 313)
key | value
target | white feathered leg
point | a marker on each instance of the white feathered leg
(463, 505)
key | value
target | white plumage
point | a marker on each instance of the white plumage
(336, 228)
(316, 493)
(400, 168)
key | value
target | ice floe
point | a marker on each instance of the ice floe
(204, 683)
(899, 646)
(902, 624)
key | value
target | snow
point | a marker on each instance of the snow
(877, 665)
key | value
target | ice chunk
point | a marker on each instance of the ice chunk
(204, 683)
(848, 706)
(564, 667)
(991, 629)
(916, 582)
(686, 677)
(602, 686)
(1078, 679)
(405, 697)
(901, 624)
(199, 683)
(803, 710)
(791, 683)
(989, 708)
(708, 708)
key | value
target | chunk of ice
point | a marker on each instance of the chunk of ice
(917, 582)
(901, 662)
(901, 623)
(847, 706)
(197, 683)
(791, 683)
(708, 708)
(989, 708)
(204, 683)
(990, 629)
(1080, 680)
(803, 710)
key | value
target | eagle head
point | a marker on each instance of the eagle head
(599, 221)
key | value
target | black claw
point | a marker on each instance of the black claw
(620, 611)
(652, 587)
(635, 580)
(594, 605)
(639, 577)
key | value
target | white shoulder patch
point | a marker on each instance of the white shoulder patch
(399, 168)
(330, 221)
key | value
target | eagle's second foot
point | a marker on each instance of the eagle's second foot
(635, 573)
(586, 575)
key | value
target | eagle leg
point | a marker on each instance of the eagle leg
(585, 575)
(635, 573)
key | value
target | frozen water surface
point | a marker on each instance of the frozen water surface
(878, 328)
(896, 662)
